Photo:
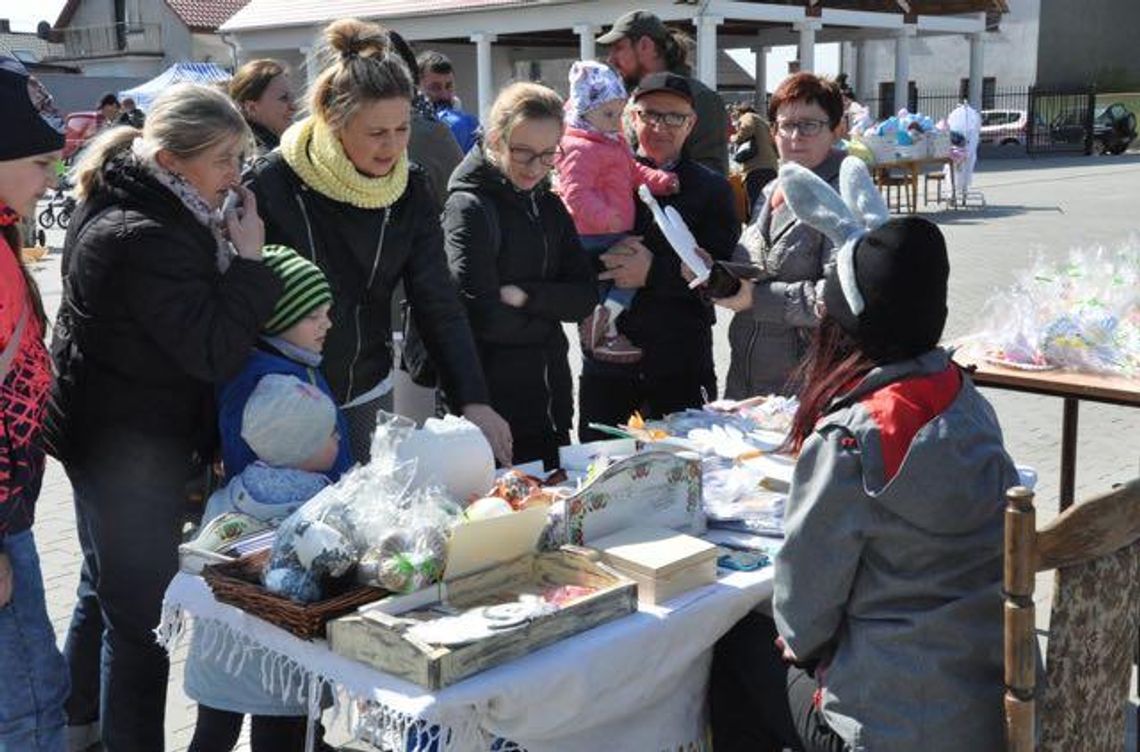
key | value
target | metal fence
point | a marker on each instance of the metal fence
(1033, 119)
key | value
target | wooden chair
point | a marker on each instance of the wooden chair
(899, 184)
(1095, 620)
(927, 179)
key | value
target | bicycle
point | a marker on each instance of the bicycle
(58, 211)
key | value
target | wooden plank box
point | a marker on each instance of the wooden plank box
(663, 562)
(376, 635)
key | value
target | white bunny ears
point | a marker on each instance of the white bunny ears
(844, 217)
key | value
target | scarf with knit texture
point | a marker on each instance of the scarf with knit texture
(316, 155)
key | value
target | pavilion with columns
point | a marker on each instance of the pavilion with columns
(487, 38)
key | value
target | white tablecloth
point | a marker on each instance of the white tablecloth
(637, 683)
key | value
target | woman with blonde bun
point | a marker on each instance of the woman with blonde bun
(342, 192)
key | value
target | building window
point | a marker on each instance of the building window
(887, 98)
(989, 87)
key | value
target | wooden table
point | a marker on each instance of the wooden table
(913, 169)
(1070, 386)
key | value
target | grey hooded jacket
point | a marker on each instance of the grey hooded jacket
(769, 339)
(892, 567)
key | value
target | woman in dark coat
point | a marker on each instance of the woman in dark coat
(515, 254)
(262, 89)
(342, 192)
(163, 300)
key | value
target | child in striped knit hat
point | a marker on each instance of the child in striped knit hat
(280, 445)
(291, 343)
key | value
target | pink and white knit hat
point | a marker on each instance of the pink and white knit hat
(591, 84)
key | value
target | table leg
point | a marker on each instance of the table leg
(914, 188)
(1068, 451)
(953, 188)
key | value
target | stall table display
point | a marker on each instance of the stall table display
(635, 683)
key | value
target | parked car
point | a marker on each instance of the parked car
(1006, 127)
(80, 127)
(1114, 128)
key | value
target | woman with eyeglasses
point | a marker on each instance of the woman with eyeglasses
(776, 315)
(342, 192)
(263, 92)
(520, 267)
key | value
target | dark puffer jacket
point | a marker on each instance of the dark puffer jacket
(365, 253)
(149, 325)
(523, 350)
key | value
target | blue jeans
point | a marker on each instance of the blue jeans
(129, 498)
(33, 676)
(595, 246)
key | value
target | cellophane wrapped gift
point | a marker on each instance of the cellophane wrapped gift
(372, 523)
(1082, 314)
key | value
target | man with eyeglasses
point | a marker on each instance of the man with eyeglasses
(671, 323)
(641, 44)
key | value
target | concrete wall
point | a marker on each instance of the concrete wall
(938, 63)
(1091, 41)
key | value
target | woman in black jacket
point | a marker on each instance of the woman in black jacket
(342, 192)
(515, 254)
(163, 300)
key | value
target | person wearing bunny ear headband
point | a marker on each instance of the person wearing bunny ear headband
(887, 622)
(776, 313)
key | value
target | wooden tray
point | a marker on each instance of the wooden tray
(377, 635)
(238, 583)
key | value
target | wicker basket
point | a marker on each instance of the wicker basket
(238, 583)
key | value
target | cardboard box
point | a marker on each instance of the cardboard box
(663, 562)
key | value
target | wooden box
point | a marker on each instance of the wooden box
(651, 488)
(377, 635)
(663, 562)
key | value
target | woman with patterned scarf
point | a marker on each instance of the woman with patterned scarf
(163, 299)
(342, 192)
(34, 686)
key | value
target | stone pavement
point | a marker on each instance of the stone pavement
(1046, 205)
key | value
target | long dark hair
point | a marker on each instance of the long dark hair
(834, 361)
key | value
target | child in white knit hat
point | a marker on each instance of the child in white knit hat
(291, 426)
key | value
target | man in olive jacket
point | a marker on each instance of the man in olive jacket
(641, 44)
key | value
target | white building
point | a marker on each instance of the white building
(488, 40)
(141, 38)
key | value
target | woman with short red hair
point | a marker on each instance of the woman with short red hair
(776, 315)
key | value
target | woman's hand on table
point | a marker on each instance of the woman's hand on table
(494, 428)
(627, 263)
(513, 295)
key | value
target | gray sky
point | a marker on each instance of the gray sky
(25, 14)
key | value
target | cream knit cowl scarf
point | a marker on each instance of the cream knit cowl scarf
(316, 155)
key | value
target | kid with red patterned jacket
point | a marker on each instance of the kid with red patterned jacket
(35, 682)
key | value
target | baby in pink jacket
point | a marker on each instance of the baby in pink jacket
(598, 178)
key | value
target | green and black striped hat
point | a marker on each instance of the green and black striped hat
(305, 287)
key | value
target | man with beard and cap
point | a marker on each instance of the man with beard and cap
(640, 44)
